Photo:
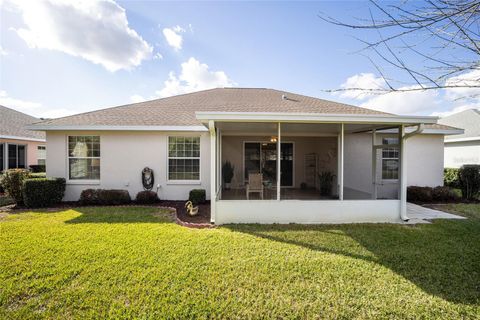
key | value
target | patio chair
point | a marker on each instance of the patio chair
(255, 184)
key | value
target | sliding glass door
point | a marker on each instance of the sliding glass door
(16, 156)
(261, 157)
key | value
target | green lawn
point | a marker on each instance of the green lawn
(135, 263)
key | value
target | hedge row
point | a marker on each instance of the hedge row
(429, 194)
(43, 192)
(104, 197)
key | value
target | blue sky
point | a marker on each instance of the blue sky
(58, 58)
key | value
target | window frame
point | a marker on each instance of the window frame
(192, 182)
(6, 155)
(393, 146)
(82, 181)
(44, 159)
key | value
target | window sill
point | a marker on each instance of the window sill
(83, 182)
(184, 182)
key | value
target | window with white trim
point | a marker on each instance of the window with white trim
(183, 158)
(84, 157)
(390, 159)
(41, 155)
(16, 156)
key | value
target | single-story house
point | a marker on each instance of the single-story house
(463, 148)
(283, 146)
(19, 147)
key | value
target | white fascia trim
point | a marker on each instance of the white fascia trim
(313, 117)
(427, 131)
(115, 128)
(462, 139)
(22, 138)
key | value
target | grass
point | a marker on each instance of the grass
(134, 262)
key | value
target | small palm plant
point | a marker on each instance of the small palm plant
(326, 182)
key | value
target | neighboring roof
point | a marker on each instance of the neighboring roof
(469, 120)
(12, 125)
(180, 110)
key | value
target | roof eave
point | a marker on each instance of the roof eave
(204, 117)
(46, 127)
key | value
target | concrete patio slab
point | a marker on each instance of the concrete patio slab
(419, 214)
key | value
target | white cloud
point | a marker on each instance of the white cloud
(97, 31)
(137, 98)
(157, 56)
(35, 109)
(364, 81)
(471, 78)
(3, 52)
(194, 76)
(174, 37)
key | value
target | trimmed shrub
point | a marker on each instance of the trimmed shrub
(12, 183)
(104, 197)
(419, 194)
(469, 178)
(37, 168)
(450, 177)
(32, 175)
(443, 194)
(43, 192)
(197, 196)
(147, 197)
(1, 186)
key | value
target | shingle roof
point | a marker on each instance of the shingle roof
(12, 124)
(180, 110)
(469, 120)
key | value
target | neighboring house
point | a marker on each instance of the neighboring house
(186, 138)
(19, 147)
(463, 148)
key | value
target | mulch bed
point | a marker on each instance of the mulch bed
(203, 215)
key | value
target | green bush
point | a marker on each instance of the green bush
(469, 178)
(450, 177)
(443, 194)
(104, 197)
(43, 192)
(197, 196)
(147, 197)
(419, 194)
(33, 175)
(37, 168)
(12, 183)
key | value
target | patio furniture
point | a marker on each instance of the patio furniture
(255, 184)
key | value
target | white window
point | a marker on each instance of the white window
(41, 155)
(84, 157)
(390, 160)
(184, 158)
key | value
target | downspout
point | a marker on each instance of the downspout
(403, 163)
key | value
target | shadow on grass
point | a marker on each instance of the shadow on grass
(122, 215)
(443, 258)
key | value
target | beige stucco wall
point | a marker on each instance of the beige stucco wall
(31, 148)
(324, 147)
(424, 164)
(460, 153)
(123, 157)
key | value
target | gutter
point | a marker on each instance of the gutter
(403, 198)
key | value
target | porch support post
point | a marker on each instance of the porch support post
(403, 172)
(279, 169)
(374, 165)
(213, 169)
(341, 149)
